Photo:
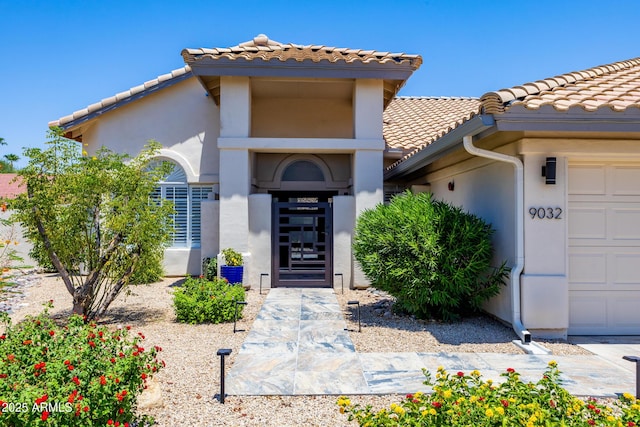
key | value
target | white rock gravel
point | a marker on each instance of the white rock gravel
(191, 379)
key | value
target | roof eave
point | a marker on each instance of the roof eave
(441, 146)
(577, 120)
(276, 68)
(74, 123)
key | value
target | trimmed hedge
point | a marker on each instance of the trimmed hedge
(433, 257)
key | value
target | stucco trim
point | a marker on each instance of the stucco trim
(178, 158)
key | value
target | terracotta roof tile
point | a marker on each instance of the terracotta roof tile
(122, 96)
(261, 47)
(411, 123)
(615, 86)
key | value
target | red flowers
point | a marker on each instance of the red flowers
(103, 380)
(436, 404)
(44, 416)
(11, 357)
(92, 344)
(120, 396)
(72, 396)
(52, 333)
(42, 399)
(27, 342)
(461, 374)
(143, 376)
(505, 403)
(511, 370)
(75, 380)
(39, 368)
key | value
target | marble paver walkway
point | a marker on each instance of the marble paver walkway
(298, 345)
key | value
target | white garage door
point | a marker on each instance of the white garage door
(604, 248)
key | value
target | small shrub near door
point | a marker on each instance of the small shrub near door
(207, 301)
(433, 257)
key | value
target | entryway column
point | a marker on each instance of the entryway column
(235, 171)
(368, 161)
(367, 188)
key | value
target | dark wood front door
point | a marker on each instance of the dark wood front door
(302, 243)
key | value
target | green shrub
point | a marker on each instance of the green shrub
(210, 268)
(207, 301)
(232, 257)
(433, 257)
(79, 374)
(468, 400)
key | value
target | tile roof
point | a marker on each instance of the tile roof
(261, 47)
(9, 187)
(412, 123)
(124, 97)
(614, 86)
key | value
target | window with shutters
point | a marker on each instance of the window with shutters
(186, 199)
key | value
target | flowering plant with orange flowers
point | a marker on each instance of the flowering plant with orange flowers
(78, 374)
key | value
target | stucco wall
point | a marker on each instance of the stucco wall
(187, 124)
(301, 118)
(486, 189)
(180, 117)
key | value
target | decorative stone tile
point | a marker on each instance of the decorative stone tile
(391, 362)
(325, 382)
(391, 382)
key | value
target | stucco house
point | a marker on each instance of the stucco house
(554, 165)
(277, 148)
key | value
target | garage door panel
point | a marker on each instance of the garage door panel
(587, 223)
(586, 310)
(624, 181)
(625, 223)
(587, 179)
(588, 268)
(604, 248)
(626, 269)
(625, 313)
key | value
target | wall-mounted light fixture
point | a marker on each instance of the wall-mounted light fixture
(549, 170)
(451, 185)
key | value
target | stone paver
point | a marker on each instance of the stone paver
(298, 345)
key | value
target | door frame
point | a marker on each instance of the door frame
(323, 201)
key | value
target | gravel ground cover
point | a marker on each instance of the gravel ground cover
(184, 393)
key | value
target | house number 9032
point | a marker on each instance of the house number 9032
(545, 213)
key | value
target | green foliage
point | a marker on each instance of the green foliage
(205, 301)
(210, 268)
(6, 165)
(433, 257)
(231, 257)
(80, 374)
(468, 400)
(93, 215)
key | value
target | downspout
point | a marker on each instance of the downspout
(516, 271)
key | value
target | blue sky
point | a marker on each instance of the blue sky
(60, 56)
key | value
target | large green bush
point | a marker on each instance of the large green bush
(77, 375)
(467, 400)
(207, 301)
(433, 257)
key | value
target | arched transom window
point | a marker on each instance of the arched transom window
(302, 170)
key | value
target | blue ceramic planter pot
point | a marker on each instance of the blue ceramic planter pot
(233, 273)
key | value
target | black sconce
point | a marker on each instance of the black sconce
(451, 185)
(549, 170)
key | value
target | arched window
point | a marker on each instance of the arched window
(186, 200)
(302, 170)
